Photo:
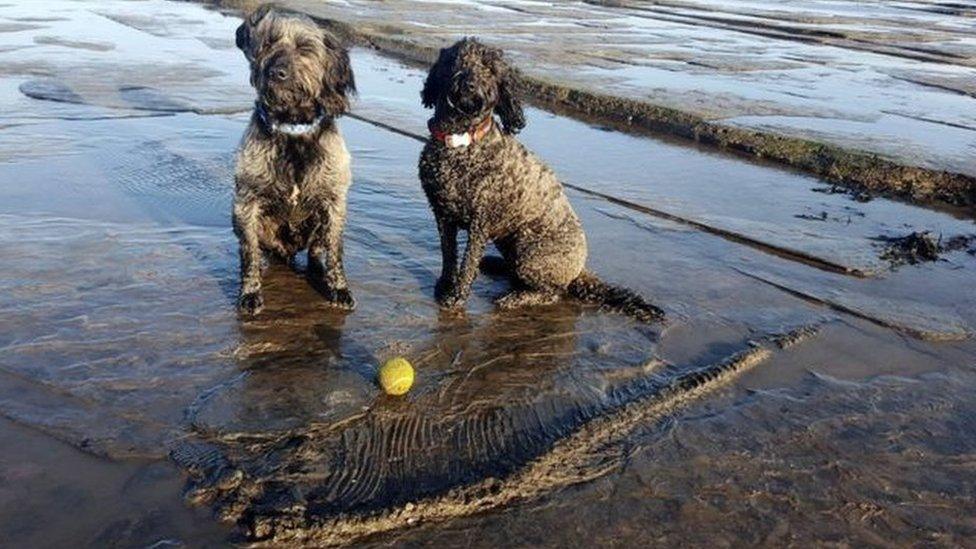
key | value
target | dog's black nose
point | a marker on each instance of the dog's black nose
(278, 73)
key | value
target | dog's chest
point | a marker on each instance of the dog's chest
(292, 200)
(293, 203)
(452, 197)
(455, 183)
(304, 178)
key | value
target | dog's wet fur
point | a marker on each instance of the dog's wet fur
(291, 189)
(498, 191)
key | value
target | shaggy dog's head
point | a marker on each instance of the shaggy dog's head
(468, 82)
(300, 71)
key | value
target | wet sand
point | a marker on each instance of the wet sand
(122, 352)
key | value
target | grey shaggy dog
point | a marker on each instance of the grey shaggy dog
(479, 178)
(292, 171)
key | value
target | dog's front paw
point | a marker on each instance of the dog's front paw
(250, 303)
(340, 298)
(451, 301)
(443, 288)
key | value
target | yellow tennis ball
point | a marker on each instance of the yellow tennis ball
(396, 376)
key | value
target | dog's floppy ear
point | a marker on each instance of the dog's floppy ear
(244, 39)
(436, 79)
(245, 30)
(338, 80)
(509, 106)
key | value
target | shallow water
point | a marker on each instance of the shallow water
(54, 495)
(119, 338)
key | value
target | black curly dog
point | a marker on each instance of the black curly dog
(480, 179)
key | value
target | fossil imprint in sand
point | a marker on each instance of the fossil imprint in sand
(488, 435)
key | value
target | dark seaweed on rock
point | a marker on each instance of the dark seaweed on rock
(858, 195)
(921, 247)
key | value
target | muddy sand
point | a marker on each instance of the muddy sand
(807, 388)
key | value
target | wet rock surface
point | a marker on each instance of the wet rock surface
(121, 345)
(808, 83)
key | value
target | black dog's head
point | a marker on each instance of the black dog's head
(468, 82)
(299, 70)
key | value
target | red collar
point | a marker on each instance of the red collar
(454, 140)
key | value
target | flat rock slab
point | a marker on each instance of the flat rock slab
(893, 78)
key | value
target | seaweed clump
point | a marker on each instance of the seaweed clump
(922, 247)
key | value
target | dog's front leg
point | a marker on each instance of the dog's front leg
(448, 232)
(475, 251)
(246, 219)
(325, 268)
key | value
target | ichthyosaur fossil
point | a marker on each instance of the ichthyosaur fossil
(430, 461)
